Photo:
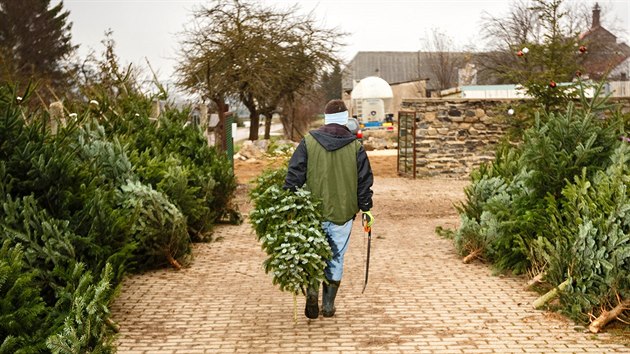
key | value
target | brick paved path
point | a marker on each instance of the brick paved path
(420, 298)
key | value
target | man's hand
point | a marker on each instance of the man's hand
(368, 218)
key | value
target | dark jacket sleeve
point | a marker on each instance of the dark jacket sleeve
(296, 174)
(364, 190)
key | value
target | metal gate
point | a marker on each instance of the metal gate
(407, 144)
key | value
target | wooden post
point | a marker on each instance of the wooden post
(155, 112)
(203, 116)
(57, 116)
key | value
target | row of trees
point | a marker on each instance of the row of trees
(554, 203)
(270, 59)
(275, 60)
(90, 196)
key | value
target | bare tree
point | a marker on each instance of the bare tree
(262, 56)
(505, 33)
(537, 46)
(530, 24)
(442, 59)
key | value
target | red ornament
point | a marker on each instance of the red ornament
(520, 53)
(582, 49)
(552, 84)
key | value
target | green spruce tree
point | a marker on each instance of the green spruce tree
(331, 83)
(544, 67)
(34, 41)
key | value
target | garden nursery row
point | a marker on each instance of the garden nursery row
(557, 206)
(88, 197)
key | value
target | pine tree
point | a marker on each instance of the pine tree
(288, 226)
(21, 306)
(86, 328)
(542, 66)
(331, 83)
(34, 41)
(538, 48)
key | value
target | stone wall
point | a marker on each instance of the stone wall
(454, 136)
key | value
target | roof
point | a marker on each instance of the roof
(393, 67)
(390, 66)
(604, 52)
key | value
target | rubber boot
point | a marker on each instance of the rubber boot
(329, 294)
(312, 297)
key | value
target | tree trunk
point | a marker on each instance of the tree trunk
(535, 280)
(113, 325)
(541, 301)
(173, 261)
(220, 137)
(254, 117)
(268, 126)
(292, 121)
(472, 256)
(285, 126)
(608, 316)
(268, 114)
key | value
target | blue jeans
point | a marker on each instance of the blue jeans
(338, 239)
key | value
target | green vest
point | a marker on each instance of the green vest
(332, 176)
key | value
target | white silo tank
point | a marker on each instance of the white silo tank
(372, 99)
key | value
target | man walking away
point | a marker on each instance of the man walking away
(334, 166)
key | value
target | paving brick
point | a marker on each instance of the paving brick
(420, 299)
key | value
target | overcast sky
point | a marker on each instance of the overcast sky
(149, 28)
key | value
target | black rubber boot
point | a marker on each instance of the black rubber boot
(329, 294)
(312, 297)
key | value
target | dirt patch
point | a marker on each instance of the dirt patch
(384, 166)
(246, 171)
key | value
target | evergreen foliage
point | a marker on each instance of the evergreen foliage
(86, 328)
(92, 200)
(171, 156)
(34, 41)
(21, 306)
(558, 203)
(288, 226)
(588, 239)
(157, 227)
(331, 83)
